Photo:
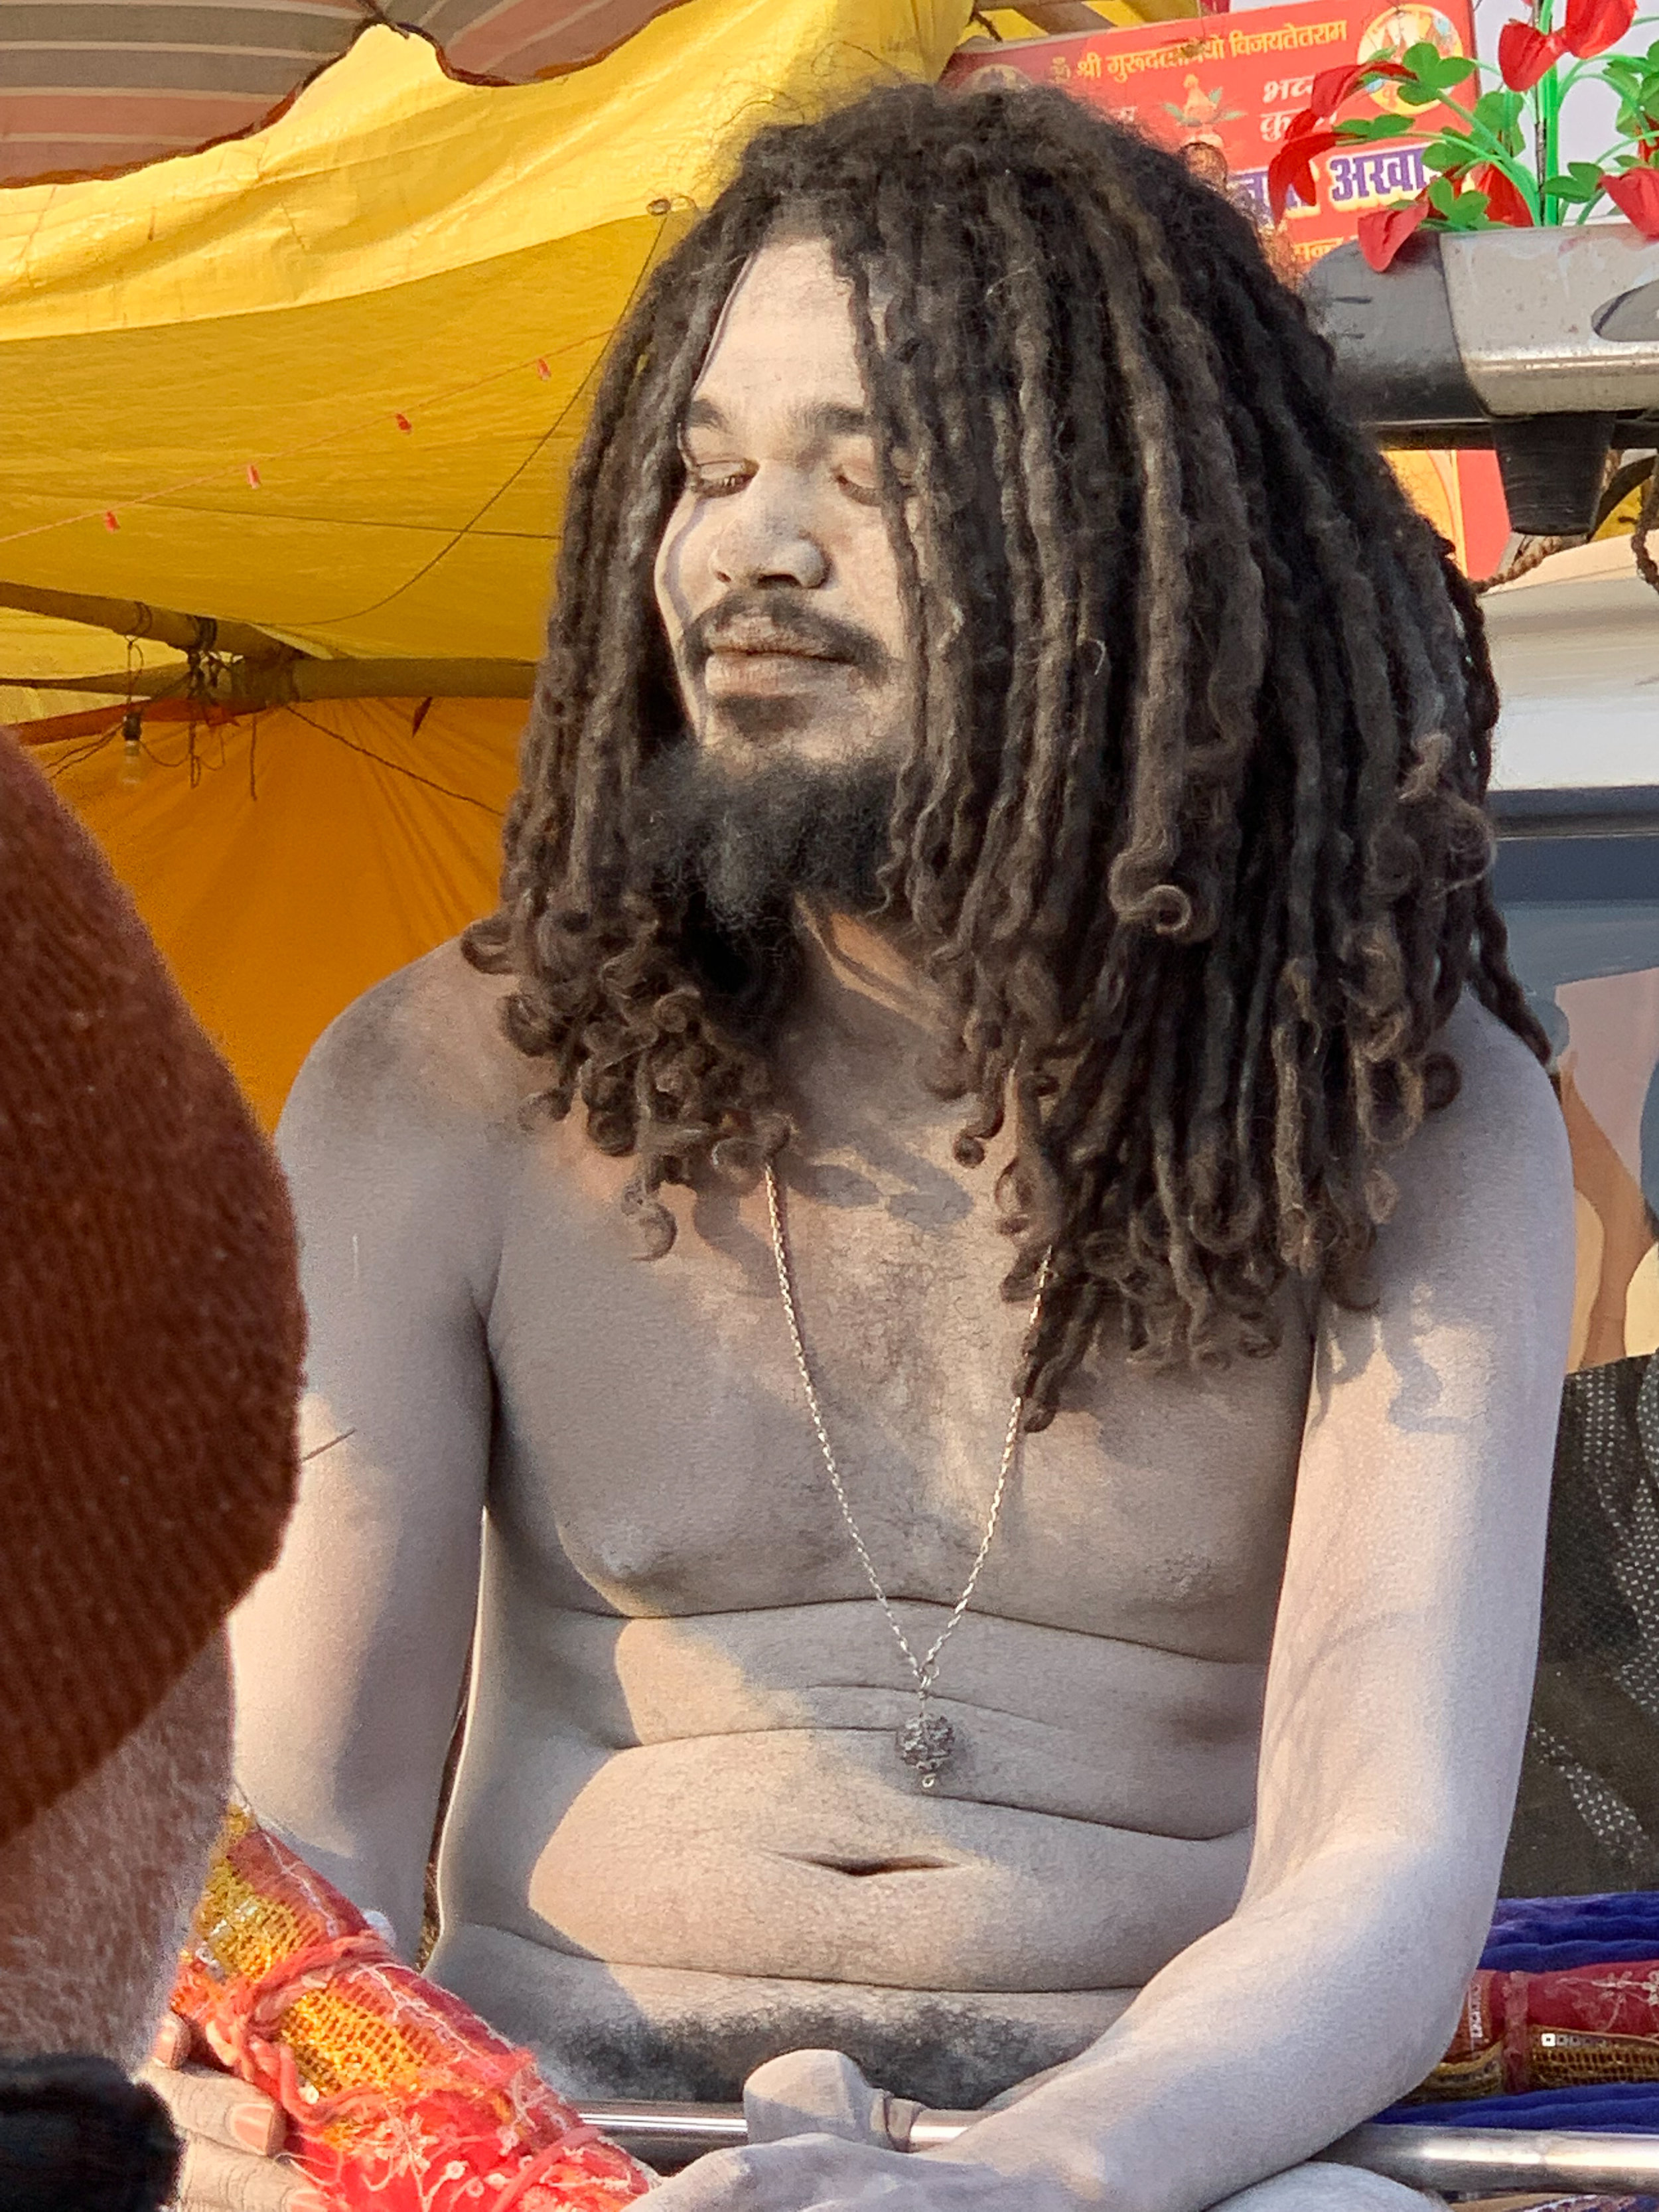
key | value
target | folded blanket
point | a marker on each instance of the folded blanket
(1609, 2108)
(1542, 1934)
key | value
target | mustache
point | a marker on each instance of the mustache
(771, 620)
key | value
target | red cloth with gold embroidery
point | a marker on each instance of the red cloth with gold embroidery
(399, 2098)
(1553, 2030)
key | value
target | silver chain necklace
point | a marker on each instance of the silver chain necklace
(926, 1742)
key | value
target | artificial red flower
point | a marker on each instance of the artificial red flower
(1291, 169)
(1333, 86)
(1525, 55)
(1503, 201)
(1593, 25)
(1635, 193)
(1383, 231)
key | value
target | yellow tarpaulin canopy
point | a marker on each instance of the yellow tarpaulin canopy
(327, 380)
(34, 649)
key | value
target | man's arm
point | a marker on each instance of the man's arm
(351, 1655)
(1397, 1693)
(1397, 1708)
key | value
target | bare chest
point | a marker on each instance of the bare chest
(656, 1455)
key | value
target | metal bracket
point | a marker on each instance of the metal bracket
(1552, 324)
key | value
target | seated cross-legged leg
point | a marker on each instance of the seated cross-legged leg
(1321, 2187)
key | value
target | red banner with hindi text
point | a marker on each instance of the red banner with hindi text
(1222, 91)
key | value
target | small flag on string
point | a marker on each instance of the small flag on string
(109, 523)
(253, 476)
(543, 371)
(402, 421)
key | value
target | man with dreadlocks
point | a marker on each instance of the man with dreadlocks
(1002, 808)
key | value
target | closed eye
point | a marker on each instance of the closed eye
(715, 483)
(865, 494)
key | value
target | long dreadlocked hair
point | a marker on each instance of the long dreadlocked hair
(1191, 820)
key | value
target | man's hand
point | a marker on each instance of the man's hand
(821, 2137)
(231, 2132)
(826, 2174)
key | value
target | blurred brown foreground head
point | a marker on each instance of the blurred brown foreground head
(150, 1343)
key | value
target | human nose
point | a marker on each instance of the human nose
(766, 537)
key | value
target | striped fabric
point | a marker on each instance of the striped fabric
(90, 88)
(513, 41)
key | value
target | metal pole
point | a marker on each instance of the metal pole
(1493, 2159)
(1497, 2159)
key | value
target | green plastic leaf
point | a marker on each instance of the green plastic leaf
(1459, 210)
(1449, 151)
(1450, 69)
(1425, 60)
(1362, 127)
(1579, 183)
(1499, 111)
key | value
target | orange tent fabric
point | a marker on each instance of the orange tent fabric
(286, 862)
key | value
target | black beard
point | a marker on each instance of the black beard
(740, 846)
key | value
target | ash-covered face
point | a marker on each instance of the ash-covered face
(777, 578)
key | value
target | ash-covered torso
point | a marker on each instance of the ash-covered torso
(681, 1839)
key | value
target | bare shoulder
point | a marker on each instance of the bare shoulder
(423, 1051)
(402, 1131)
(1506, 1107)
(1485, 1187)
